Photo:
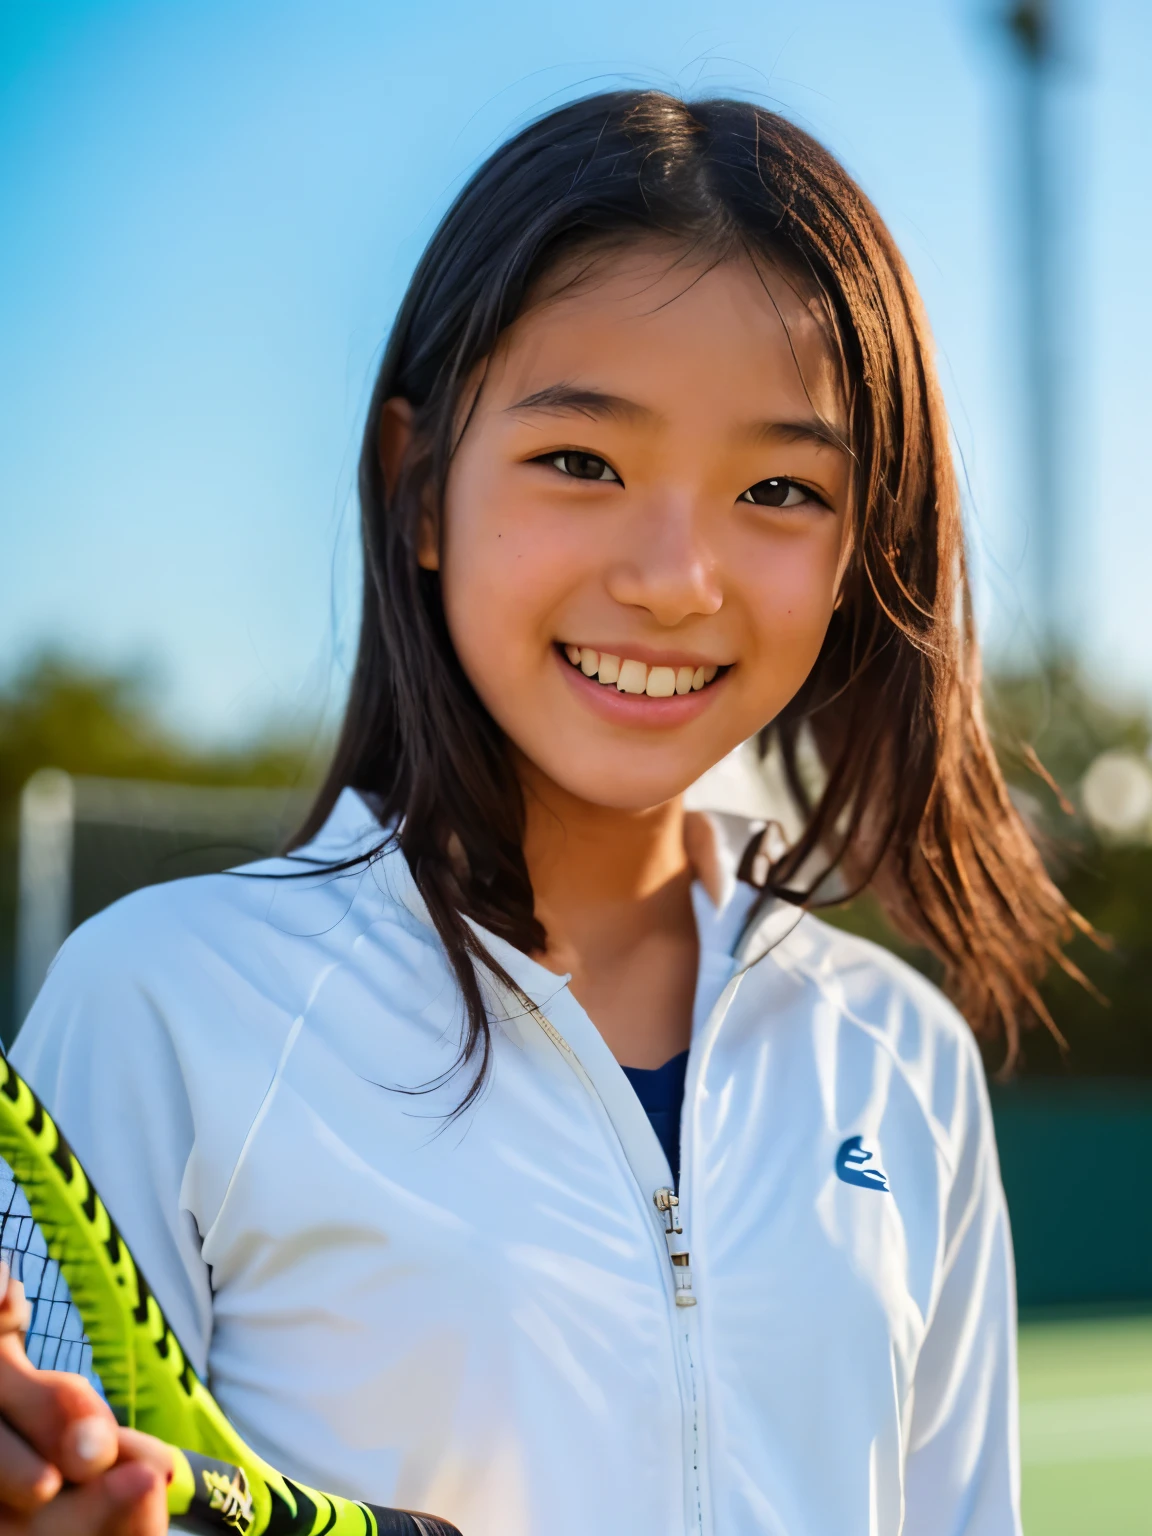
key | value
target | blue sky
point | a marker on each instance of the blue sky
(211, 209)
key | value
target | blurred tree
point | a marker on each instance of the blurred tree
(58, 712)
(1049, 728)
(1062, 719)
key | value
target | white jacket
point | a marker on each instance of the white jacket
(481, 1318)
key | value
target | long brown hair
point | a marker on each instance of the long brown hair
(912, 804)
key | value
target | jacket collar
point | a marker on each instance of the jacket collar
(715, 841)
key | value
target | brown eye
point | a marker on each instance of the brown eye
(778, 493)
(581, 466)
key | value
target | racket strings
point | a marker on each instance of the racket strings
(56, 1340)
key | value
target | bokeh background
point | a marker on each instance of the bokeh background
(210, 212)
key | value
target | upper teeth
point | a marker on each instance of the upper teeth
(635, 676)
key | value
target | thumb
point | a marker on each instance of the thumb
(128, 1500)
(147, 1451)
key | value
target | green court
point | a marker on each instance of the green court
(1086, 1425)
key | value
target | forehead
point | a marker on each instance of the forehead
(727, 338)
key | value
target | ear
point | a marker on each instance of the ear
(395, 440)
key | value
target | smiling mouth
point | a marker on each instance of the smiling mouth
(636, 677)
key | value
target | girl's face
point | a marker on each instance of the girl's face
(645, 522)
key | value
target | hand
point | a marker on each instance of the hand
(66, 1466)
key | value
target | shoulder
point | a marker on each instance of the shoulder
(254, 937)
(188, 993)
(897, 1015)
(870, 981)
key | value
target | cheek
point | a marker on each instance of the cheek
(789, 591)
(505, 568)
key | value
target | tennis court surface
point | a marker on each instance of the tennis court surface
(1086, 1425)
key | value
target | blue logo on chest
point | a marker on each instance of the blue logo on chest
(850, 1165)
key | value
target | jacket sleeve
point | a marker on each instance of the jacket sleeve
(96, 1050)
(962, 1473)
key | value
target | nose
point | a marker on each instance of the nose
(664, 564)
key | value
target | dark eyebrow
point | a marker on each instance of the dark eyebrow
(596, 404)
(812, 430)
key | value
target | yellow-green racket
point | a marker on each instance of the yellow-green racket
(92, 1311)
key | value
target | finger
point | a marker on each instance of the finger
(15, 1308)
(16, 1315)
(41, 1405)
(27, 1481)
(136, 1446)
(129, 1500)
(88, 1446)
(147, 1512)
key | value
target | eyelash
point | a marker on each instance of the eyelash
(783, 481)
(789, 485)
(580, 453)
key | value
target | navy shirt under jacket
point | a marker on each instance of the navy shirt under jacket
(661, 1092)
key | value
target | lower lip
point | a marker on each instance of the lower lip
(637, 709)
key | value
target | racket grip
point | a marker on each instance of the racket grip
(403, 1522)
(215, 1498)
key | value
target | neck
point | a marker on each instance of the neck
(582, 856)
(613, 890)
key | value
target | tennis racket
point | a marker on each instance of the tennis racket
(93, 1313)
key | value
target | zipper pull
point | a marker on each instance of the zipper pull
(667, 1201)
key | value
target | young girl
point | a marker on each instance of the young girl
(519, 1148)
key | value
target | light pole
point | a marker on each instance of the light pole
(1030, 28)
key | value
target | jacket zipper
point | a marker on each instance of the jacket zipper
(684, 1337)
(669, 1216)
(670, 1204)
(668, 1212)
(667, 1202)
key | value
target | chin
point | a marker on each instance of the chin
(616, 791)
